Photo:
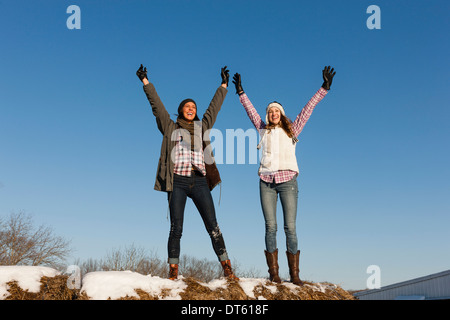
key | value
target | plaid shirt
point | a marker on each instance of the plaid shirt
(187, 160)
(297, 127)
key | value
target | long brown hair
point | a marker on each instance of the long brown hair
(285, 124)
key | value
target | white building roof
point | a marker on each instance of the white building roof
(432, 287)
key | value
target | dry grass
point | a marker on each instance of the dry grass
(52, 288)
(283, 291)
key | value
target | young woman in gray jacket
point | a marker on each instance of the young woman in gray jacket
(186, 167)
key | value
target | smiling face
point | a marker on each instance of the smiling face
(189, 111)
(274, 115)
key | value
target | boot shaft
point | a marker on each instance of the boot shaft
(173, 271)
(293, 262)
(272, 263)
(227, 271)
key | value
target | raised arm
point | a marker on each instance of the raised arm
(210, 116)
(246, 103)
(158, 109)
(299, 123)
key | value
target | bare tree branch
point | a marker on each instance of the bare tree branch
(23, 244)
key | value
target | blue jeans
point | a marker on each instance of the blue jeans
(288, 192)
(196, 188)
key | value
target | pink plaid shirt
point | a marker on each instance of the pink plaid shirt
(297, 127)
(187, 160)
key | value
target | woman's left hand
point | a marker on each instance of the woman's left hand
(327, 77)
(224, 73)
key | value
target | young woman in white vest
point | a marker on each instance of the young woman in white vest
(278, 171)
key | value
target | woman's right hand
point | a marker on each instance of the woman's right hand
(142, 74)
(237, 83)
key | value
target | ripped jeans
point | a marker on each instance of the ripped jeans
(288, 192)
(196, 188)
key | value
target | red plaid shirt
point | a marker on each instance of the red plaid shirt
(187, 160)
(297, 127)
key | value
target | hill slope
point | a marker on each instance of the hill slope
(42, 283)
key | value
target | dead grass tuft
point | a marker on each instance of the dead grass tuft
(52, 288)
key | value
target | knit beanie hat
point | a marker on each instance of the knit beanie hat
(180, 108)
(272, 105)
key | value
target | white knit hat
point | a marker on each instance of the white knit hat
(274, 105)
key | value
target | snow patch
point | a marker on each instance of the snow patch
(103, 285)
(215, 284)
(248, 284)
(27, 277)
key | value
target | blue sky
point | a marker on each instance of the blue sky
(79, 144)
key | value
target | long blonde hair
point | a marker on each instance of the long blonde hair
(285, 124)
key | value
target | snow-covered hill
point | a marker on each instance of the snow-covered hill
(24, 282)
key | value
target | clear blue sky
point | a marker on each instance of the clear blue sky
(79, 145)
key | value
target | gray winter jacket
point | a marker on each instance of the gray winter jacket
(164, 175)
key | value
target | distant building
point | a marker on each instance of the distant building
(432, 287)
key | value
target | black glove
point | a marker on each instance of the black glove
(142, 73)
(327, 77)
(237, 83)
(224, 73)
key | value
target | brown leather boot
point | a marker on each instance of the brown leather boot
(173, 272)
(272, 263)
(293, 267)
(228, 272)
